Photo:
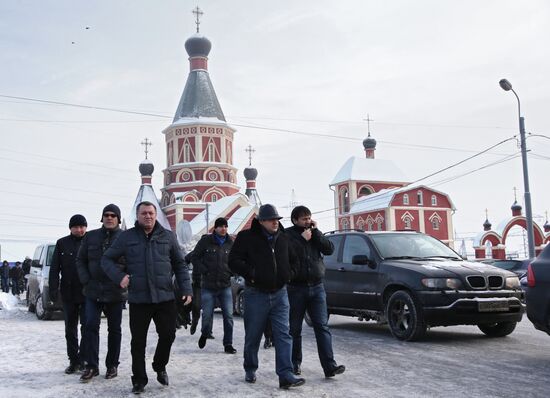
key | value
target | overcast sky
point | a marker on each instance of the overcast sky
(427, 72)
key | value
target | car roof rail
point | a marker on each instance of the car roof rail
(345, 230)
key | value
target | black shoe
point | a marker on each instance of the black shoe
(250, 377)
(72, 368)
(193, 326)
(297, 370)
(286, 384)
(337, 370)
(88, 375)
(162, 377)
(111, 373)
(138, 388)
(268, 343)
(202, 341)
(82, 367)
(210, 337)
(229, 349)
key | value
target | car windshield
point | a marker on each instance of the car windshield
(507, 264)
(408, 245)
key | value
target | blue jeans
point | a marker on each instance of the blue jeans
(312, 299)
(259, 306)
(113, 312)
(208, 302)
(72, 313)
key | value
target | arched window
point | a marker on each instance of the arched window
(345, 224)
(186, 152)
(434, 200)
(435, 223)
(408, 222)
(488, 249)
(379, 225)
(344, 200)
(406, 199)
(361, 225)
(419, 198)
(211, 152)
(214, 197)
(364, 191)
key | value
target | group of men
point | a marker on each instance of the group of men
(14, 277)
(101, 269)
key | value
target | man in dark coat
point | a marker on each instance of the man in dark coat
(152, 256)
(64, 263)
(209, 259)
(5, 275)
(102, 295)
(26, 270)
(263, 256)
(16, 276)
(306, 291)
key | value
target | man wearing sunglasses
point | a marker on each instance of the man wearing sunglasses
(102, 295)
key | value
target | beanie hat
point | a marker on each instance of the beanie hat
(220, 222)
(113, 209)
(78, 220)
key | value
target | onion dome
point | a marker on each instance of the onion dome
(369, 143)
(250, 173)
(487, 225)
(198, 46)
(516, 207)
(146, 168)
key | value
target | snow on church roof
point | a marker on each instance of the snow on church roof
(364, 169)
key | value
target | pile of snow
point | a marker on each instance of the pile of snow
(8, 301)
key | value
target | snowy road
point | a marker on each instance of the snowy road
(450, 362)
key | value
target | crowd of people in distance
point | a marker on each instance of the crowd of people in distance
(14, 277)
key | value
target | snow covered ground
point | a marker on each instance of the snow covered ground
(451, 362)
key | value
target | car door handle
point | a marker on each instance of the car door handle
(342, 269)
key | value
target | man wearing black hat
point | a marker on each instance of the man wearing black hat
(263, 256)
(102, 295)
(210, 261)
(152, 256)
(64, 263)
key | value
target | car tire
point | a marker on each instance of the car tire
(405, 317)
(307, 318)
(30, 306)
(239, 303)
(499, 329)
(40, 312)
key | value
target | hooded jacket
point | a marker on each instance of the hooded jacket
(265, 264)
(97, 285)
(150, 262)
(311, 269)
(210, 259)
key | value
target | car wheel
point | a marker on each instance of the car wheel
(30, 305)
(307, 318)
(239, 303)
(405, 317)
(499, 329)
(41, 313)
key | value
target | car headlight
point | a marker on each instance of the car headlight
(442, 283)
(512, 282)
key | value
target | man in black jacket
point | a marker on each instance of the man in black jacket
(210, 261)
(102, 295)
(152, 256)
(263, 257)
(64, 263)
(306, 291)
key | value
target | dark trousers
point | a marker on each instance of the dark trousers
(260, 306)
(72, 313)
(15, 286)
(164, 317)
(196, 304)
(113, 312)
(208, 300)
(5, 284)
(312, 299)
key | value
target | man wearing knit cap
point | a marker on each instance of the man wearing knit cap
(64, 264)
(209, 259)
(102, 295)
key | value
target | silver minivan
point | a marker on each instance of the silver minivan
(38, 300)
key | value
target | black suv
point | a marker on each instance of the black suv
(538, 292)
(413, 281)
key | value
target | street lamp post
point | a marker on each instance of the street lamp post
(507, 86)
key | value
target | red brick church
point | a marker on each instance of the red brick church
(375, 195)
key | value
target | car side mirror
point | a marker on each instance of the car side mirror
(361, 259)
(36, 263)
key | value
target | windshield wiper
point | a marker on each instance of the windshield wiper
(403, 258)
(447, 257)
